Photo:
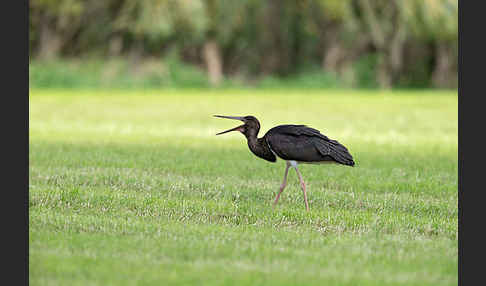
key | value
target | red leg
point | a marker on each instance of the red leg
(302, 185)
(284, 183)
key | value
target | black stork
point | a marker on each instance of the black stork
(293, 143)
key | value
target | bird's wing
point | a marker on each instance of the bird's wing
(302, 143)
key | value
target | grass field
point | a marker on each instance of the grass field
(133, 188)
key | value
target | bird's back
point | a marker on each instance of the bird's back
(304, 144)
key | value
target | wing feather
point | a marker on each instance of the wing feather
(306, 144)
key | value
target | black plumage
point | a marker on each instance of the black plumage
(292, 143)
(306, 145)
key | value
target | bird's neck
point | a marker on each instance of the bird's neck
(253, 142)
(252, 139)
(259, 147)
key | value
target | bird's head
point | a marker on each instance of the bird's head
(250, 126)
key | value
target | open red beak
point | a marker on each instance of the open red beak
(237, 128)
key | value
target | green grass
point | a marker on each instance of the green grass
(133, 188)
(169, 72)
(92, 73)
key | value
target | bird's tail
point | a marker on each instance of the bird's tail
(338, 152)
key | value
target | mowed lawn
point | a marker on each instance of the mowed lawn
(134, 188)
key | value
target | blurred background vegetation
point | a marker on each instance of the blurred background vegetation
(244, 43)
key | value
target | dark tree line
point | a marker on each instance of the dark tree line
(403, 42)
